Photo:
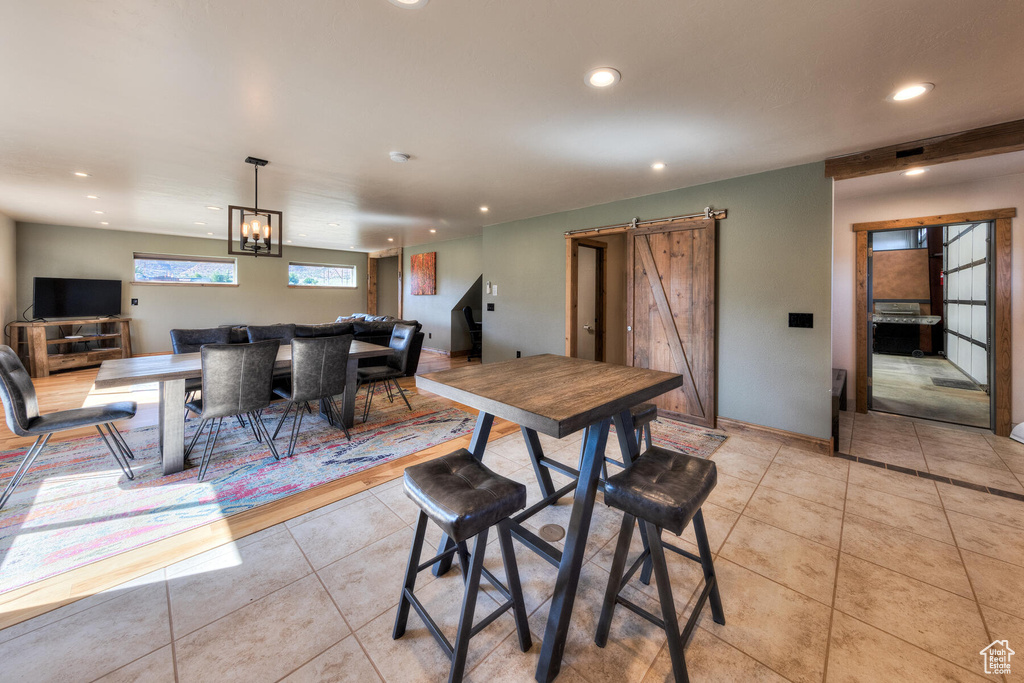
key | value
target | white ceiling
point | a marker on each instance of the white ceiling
(161, 101)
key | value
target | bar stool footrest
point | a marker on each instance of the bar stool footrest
(638, 610)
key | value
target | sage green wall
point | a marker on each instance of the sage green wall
(8, 273)
(459, 264)
(262, 297)
(387, 286)
(774, 257)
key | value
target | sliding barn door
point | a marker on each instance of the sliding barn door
(671, 312)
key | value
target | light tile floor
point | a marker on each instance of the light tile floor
(829, 570)
(976, 456)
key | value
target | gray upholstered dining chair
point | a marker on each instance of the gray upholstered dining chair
(191, 341)
(237, 380)
(22, 412)
(318, 373)
(398, 361)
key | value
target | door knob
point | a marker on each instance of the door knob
(588, 328)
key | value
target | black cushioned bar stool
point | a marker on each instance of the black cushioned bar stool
(663, 490)
(465, 499)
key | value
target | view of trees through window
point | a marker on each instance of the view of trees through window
(310, 275)
(155, 269)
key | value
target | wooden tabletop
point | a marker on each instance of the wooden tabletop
(554, 395)
(145, 369)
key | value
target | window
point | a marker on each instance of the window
(892, 240)
(169, 269)
(321, 275)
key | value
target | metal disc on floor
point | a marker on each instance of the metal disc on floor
(552, 533)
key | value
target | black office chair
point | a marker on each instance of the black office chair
(476, 334)
(398, 361)
(318, 374)
(22, 411)
(237, 380)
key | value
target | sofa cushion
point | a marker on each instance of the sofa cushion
(191, 340)
(237, 334)
(285, 332)
(335, 329)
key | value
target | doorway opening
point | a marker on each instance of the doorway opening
(930, 322)
(596, 315)
(933, 318)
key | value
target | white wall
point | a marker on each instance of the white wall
(8, 272)
(988, 193)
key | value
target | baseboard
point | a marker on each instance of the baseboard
(794, 439)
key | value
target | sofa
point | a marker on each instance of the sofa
(371, 329)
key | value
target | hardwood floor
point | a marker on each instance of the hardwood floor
(75, 389)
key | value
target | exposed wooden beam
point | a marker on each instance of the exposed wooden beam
(941, 219)
(970, 144)
(385, 253)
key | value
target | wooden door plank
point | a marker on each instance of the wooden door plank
(571, 295)
(861, 306)
(702, 345)
(667, 321)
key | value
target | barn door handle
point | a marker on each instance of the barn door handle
(629, 328)
(588, 328)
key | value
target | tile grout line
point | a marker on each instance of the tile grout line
(970, 581)
(170, 625)
(351, 631)
(835, 580)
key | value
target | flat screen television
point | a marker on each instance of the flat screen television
(60, 297)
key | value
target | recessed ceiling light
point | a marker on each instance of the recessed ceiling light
(209, 233)
(409, 4)
(104, 223)
(658, 165)
(432, 230)
(301, 235)
(399, 158)
(351, 247)
(288, 241)
(910, 92)
(199, 223)
(332, 225)
(91, 196)
(602, 77)
(97, 212)
(914, 171)
(213, 208)
(391, 239)
(81, 174)
(484, 209)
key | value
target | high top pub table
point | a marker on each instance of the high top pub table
(557, 396)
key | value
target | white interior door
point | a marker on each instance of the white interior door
(587, 304)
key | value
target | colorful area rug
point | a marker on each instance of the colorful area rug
(696, 441)
(76, 507)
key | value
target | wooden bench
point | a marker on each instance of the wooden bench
(838, 402)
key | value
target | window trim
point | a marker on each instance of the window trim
(355, 274)
(183, 257)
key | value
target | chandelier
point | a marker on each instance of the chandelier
(258, 230)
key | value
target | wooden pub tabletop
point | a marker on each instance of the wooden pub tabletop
(145, 369)
(554, 395)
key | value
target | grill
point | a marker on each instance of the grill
(897, 328)
(903, 314)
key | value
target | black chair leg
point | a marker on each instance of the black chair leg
(402, 618)
(195, 437)
(115, 451)
(508, 558)
(125, 448)
(369, 399)
(401, 393)
(296, 427)
(338, 421)
(604, 624)
(461, 646)
(30, 457)
(668, 605)
(284, 416)
(211, 443)
(700, 531)
(257, 419)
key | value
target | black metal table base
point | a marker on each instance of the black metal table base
(569, 561)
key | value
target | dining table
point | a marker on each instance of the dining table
(171, 370)
(556, 396)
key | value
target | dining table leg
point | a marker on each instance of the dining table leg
(172, 425)
(348, 405)
(560, 613)
(481, 432)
